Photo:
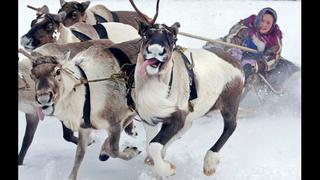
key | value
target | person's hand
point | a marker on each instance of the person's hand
(261, 67)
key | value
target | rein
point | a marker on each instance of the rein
(116, 77)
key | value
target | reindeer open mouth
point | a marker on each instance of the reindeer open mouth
(151, 66)
(46, 105)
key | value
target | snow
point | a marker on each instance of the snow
(266, 145)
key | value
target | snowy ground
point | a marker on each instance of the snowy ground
(265, 145)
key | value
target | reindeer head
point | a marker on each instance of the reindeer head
(43, 29)
(159, 41)
(74, 11)
(46, 73)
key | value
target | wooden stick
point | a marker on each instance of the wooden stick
(31, 7)
(29, 56)
(218, 42)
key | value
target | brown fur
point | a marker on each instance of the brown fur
(231, 90)
(126, 17)
(130, 48)
(130, 17)
(226, 56)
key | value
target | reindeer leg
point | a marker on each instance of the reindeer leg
(111, 146)
(151, 132)
(70, 137)
(84, 136)
(228, 108)
(68, 134)
(170, 128)
(32, 124)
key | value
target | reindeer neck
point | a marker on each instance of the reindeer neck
(70, 104)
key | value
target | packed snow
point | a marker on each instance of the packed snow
(266, 144)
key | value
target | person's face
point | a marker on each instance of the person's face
(266, 23)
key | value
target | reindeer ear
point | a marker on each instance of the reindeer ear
(66, 55)
(85, 5)
(44, 9)
(142, 27)
(62, 3)
(175, 28)
(60, 16)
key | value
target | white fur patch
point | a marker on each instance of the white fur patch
(152, 71)
(152, 100)
(40, 19)
(56, 35)
(26, 43)
(211, 162)
(162, 167)
(119, 32)
(154, 51)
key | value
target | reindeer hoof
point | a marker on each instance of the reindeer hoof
(131, 152)
(149, 161)
(211, 162)
(103, 157)
(166, 169)
(208, 172)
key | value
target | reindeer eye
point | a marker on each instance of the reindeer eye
(74, 14)
(58, 72)
(49, 27)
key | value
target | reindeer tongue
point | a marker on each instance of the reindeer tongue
(40, 113)
(145, 64)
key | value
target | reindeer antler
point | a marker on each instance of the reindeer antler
(143, 16)
(43, 10)
(25, 53)
(33, 8)
(156, 15)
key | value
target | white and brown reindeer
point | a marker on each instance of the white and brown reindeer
(162, 92)
(47, 28)
(79, 12)
(65, 91)
(26, 91)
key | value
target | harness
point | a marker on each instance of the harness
(192, 85)
(100, 29)
(99, 18)
(115, 16)
(87, 103)
(128, 69)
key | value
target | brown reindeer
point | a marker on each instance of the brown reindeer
(48, 28)
(79, 12)
(171, 90)
(64, 90)
(26, 92)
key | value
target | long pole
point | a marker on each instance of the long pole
(218, 42)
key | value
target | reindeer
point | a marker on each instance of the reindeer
(79, 12)
(26, 92)
(172, 91)
(48, 28)
(65, 90)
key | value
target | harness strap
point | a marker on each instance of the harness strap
(115, 17)
(99, 19)
(128, 69)
(87, 103)
(192, 84)
(101, 30)
(82, 37)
